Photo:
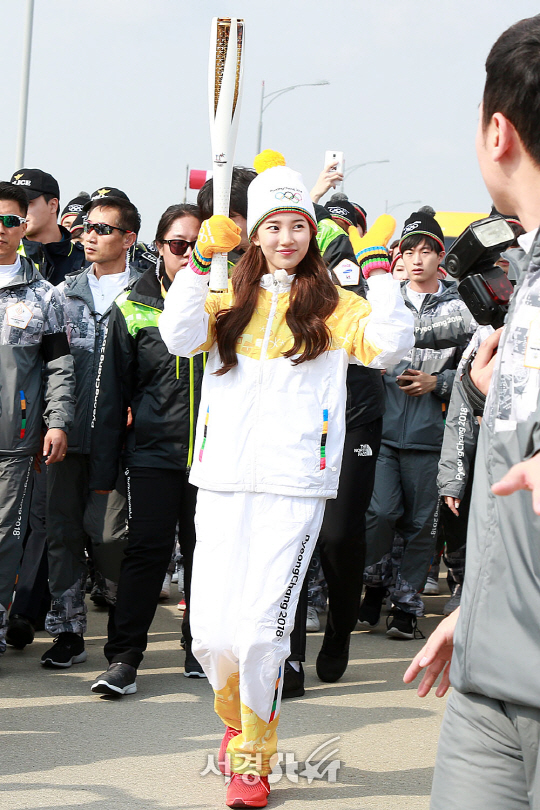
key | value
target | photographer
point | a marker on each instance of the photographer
(490, 736)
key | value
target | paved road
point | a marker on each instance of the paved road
(61, 746)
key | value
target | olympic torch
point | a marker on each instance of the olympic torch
(224, 90)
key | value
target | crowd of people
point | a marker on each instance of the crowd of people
(304, 441)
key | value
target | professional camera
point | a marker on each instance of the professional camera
(471, 259)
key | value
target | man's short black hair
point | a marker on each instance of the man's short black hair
(513, 82)
(128, 216)
(416, 239)
(241, 178)
(14, 194)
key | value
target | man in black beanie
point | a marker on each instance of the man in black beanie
(417, 391)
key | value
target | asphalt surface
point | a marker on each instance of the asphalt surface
(62, 746)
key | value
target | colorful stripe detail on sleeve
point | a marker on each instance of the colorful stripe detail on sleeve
(274, 702)
(201, 451)
(23, 414)
(323, 439)
(373, 258)
(198, 263)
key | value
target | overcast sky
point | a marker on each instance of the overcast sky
(118, 93)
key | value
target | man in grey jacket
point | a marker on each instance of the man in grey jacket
(35, 368)
(74, 513)
(490, 647)
(417, 392)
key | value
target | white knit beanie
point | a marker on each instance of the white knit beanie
(276, 189)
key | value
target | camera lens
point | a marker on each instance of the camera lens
(452, 265)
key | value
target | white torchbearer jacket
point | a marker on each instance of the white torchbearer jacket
(268, 425)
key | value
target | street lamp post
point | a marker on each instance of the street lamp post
(25, 81)
(397, 205)
(272, 97)
(359, 166)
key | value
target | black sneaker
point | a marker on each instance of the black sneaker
(66, 650)
(369, 614)
(293, 682)
(120, 679)
(331, 666)
(192, 668)
(402, 625)
(98, 597)
(20, 632)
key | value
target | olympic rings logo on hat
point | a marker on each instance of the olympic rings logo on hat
(291, 196)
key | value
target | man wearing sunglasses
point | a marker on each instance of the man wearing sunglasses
(76, 514)
(36, 384)
(50, 248)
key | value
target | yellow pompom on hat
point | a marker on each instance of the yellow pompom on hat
(268, 159)
(276, 189)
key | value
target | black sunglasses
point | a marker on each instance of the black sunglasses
(11, 220)
(178, 247)
(101, 228)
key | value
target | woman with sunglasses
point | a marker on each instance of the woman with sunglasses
(163, 393)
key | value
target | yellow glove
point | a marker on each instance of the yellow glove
(218, 234)
(370, 250)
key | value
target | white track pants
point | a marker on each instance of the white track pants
(251, 556)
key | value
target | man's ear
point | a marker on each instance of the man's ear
(502, 135)
(54, 206)
(129, 239)
(442, 254)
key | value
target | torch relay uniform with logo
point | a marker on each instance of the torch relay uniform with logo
(267, 456)
(36, 383)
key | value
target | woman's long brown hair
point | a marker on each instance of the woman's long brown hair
(313, 298)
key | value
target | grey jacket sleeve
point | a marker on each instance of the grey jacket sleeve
(459, 444)
(461, 430)
(445, 383)
(58, 368)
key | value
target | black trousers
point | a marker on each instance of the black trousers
(157, 499)
(32, 597)
(342, 542)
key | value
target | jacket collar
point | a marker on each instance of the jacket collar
(448, 293)
(279, 280)
(77, 286)
(522, 261)
(147, 290)
(26, 274)
(62, 248)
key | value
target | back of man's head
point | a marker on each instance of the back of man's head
(128, 217)
(241, 178)
(16, 195)
(513, 82)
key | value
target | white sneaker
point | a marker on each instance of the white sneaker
(431, 588)
(166, 587)
(313, 624)
(174, 577)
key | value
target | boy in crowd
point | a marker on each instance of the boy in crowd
(405, 496)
